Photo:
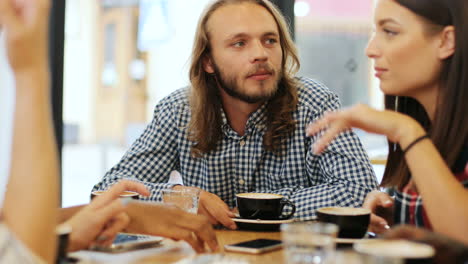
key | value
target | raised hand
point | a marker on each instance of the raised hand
(389, 123)
(25, 23)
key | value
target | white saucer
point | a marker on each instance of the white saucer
(260, 225)
(260, 221)
(352, 240)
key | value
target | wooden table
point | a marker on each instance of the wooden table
(226, 237)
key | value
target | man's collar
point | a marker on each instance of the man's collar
(256, 120)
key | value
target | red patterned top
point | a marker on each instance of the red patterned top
(409, 207)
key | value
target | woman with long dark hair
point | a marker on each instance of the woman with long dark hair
(420, 50)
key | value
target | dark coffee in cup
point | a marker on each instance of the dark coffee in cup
(352, 222)
(407, 251)
(264, 206)
(133, 195)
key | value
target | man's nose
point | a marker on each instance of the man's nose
(259, 52)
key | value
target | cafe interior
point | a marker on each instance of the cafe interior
(112, 61)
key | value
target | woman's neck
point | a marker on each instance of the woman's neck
(429, 100)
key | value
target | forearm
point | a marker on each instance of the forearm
(66, 213)
(32, 194)
(442, 194)
(139, 221)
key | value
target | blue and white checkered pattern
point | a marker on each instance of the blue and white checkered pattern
(341, 176)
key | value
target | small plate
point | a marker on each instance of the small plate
(260, 225)
(348, 242)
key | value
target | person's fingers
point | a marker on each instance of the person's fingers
(316, 126)
(330, 134)
(206, 233)
(105, 214)
(203, 211)
(187, 236)
(199, 225)
(118, 223)
(223, 217)
(378, 225)
(8, 17)
(218, 209)
(116, 190)
(377, 198)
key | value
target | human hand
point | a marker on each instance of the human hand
(216, 210)
(169, 221)
(25, 23)
(394, 125)
(211, 206)
(447, 250)
(104, 217)
(377, 201)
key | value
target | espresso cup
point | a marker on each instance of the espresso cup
(407, 251)
(264, 206)
(353, 222)
(133, 195)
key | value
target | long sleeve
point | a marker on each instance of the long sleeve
(340, 176)
(152, 156)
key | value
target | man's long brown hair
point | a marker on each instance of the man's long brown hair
(206, 121)
(449, 129)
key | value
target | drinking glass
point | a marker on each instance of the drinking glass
(186, 198)
(353, 257)
(309, 242)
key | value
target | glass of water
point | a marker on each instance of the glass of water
(309, 242)
(185, 198)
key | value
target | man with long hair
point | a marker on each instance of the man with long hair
(240, 127)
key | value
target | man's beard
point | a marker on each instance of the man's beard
(229, 85)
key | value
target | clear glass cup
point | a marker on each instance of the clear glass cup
(186, 198)
(353, 257)
(309, 242)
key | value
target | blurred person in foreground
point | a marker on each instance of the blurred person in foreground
(29, 213)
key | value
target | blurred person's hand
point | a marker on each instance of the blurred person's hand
(447, 250)
(398, 128)
(165, 220)
(378, 201)
(211, 206)
(101, 220)
(25, 23)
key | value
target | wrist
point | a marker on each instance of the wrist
(409, 133)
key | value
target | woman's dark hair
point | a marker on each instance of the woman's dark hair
(449, 128)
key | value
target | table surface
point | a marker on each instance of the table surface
(226, 237)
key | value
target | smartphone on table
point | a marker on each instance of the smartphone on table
(127, 242)
(256, 246)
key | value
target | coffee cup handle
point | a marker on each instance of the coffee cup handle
(285, 202)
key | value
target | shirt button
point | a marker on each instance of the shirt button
(242, 143)
(241, 181)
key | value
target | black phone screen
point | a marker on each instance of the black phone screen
(258, 243)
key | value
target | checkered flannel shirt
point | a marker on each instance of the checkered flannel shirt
(341, 176)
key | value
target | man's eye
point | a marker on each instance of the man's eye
(238, 44)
